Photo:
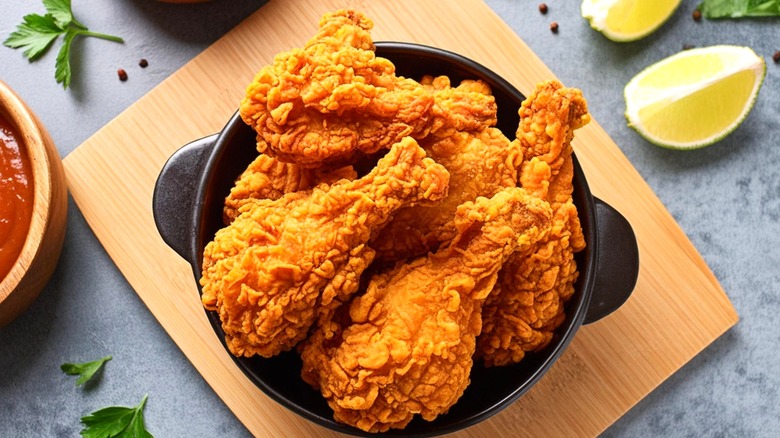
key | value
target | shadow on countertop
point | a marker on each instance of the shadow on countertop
(197, 22)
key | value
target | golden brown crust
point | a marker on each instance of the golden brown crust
(281, 264)
(474, 267)
(527, 306)
(480, 163)
(268, 178)
(322, 104)
(405, 346)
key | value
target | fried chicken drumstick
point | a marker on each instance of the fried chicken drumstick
(405, 346)
(268, 178)
(480, 163)
(521, 314)
(281, 264)
(325, 103)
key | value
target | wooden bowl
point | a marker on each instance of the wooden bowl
(43, 244)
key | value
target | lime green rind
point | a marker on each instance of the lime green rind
(711, 140)
(620, 38)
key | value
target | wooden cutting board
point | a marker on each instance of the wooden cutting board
(677, 309)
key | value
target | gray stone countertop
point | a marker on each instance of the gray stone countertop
(725, 197)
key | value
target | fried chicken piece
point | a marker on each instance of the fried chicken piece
(283, 263)
(468, 107)
(480, 164)
(268, 178)
(405, 347)
(528, 303)
(480, 159)
(322, 104)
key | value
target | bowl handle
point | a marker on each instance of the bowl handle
(617, 263)
(173, 202)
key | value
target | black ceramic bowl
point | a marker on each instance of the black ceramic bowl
(188, 201)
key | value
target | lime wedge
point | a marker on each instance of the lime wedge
(696, 97)
(627, 20)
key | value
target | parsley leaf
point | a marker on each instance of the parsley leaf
(37, 32)
(85, 370)
(740, 8)
(116, 421)
(35, 35)
(62, 72)
(59, 10)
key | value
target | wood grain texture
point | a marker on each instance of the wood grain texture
(677, 309)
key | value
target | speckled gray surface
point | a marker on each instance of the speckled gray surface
(725, 197)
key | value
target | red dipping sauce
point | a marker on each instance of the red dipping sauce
(16, 196)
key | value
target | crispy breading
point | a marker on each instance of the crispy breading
(480, 163)
(325, 103)
(268, 178)
(527, 306)
(281, 264)
(476, 233)
(405, 346)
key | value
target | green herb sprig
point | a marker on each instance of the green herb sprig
(116, 421)
(113, 421)
(37, 33)
(85, 370)
(739, 8)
